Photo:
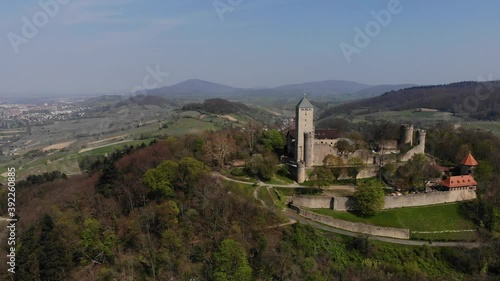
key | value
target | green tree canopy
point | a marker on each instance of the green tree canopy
(273, 140)
(160, 179)
(345, 146)
(369, 197)
(231, 262)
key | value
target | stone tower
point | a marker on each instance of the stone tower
(304, 123)
(309, 149)
(420, 137)
(406, 134)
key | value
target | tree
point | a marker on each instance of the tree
(414, 173)
(369, 198)
(251, 132)
(98, 244)
(231, 262)
(106, 183)
(219, 147)
(355, 166)
(344, 146)
(322, 176)
(262, 166)
(160, 179)
(188, 171)
(273, 141)
(332, 160)
(54, 261)
(27, 256)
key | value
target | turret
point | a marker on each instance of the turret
(309, 149)
(420, 137)
(406, 134)
(468, 164)
(301, 172)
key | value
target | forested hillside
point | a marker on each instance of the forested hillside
(159, 213)
(217, 106)
(468, 99)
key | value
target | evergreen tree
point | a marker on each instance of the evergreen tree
(54, 263)
(27, 256)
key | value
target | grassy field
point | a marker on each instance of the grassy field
(428, 218)
(494, 127)
(189, 126)
(265, 196)
(279, 179)
(244, 190)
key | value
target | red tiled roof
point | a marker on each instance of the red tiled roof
(469, 160)
(459, 181)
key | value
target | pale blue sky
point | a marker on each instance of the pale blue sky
(104, 46)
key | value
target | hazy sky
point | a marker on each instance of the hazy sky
(105, 46)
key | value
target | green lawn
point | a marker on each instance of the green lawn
(244, 190)
(278, 197)
(427, 218)
(279, 179)
(265, 196)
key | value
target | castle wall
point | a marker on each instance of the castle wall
(313, 202)
(413, 200)
(331, 142)
(364, 154)
(392, 232)
(391, 202)
(322, 150)
(368, 172)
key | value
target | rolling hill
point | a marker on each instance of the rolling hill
(348, 90)
(193, 87)
(479, 100)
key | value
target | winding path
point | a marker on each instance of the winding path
(294, 217)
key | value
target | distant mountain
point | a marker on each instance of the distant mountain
(322, 88)
(379, 90)
(102, 101)
(194, 87)
(483, 97)
(144, 100)
(200, 88)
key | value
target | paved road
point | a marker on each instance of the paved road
(294, 217)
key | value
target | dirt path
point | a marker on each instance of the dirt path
(96, 147)
(60, 145)
(111, 138)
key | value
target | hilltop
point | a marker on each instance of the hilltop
(345, 90)
(483, 100)
(217, 106)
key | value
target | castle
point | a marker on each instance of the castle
(308, 147)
